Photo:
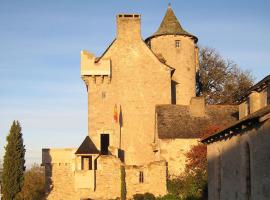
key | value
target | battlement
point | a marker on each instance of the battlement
(129, 16)
(91, 68)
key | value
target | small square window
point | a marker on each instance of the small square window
(141, 178)
(177, 43)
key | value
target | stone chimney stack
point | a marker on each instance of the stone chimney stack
(129, 27)
(255, 101)
(197, 106)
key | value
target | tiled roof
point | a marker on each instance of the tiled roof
(176, 121)
(171, 26)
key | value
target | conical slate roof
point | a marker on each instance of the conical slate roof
(87, 147)
(171, 26)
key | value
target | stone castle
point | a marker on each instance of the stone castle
(143, 115)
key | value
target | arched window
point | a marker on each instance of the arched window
(247, 171)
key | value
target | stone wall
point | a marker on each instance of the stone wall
(138, 82)
(154, 179)
(64, 182)
(173, 151)
(185, 61)
(228, 166)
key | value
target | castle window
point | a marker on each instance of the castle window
(177, 43)
(104, 143)
(141, 178)
(86, 163)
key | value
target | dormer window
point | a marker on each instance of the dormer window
(177, 43)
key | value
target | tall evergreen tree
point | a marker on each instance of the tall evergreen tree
(13, 168)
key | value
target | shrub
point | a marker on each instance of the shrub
(146, 196)
(169, 197)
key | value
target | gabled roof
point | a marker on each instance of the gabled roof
(171, 26)
(87, 147)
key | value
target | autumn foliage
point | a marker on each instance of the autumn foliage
(192, 184)
(196, 157)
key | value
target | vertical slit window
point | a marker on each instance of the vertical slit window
(141, 178)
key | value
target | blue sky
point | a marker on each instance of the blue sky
(40, 44)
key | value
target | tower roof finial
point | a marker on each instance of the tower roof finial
(169, 5)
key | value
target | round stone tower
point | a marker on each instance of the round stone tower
(178, 49)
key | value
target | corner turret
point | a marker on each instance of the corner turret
(178, 48)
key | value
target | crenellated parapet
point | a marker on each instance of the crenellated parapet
(93, 71)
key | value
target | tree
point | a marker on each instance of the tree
(196, 167)
(196, 156)
(220, 80)
(13, 167)
(34, 184)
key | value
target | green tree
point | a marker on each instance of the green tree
(34, 184)
(220, 80)
(13, 167)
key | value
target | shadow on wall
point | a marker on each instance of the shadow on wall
(173, 91)
(48, 175)
(240, 160)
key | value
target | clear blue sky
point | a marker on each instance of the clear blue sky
(40, 44)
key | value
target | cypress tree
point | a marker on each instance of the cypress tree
(13, 168)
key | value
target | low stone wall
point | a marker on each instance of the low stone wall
(61, 179)
(173, 151)
(64, 182)
(154, 179)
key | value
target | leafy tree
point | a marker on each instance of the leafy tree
(13, 167)
(220, 80)
(34, 184)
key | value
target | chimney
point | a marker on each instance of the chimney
(197, 106)
(129, 27)
(255, 101)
